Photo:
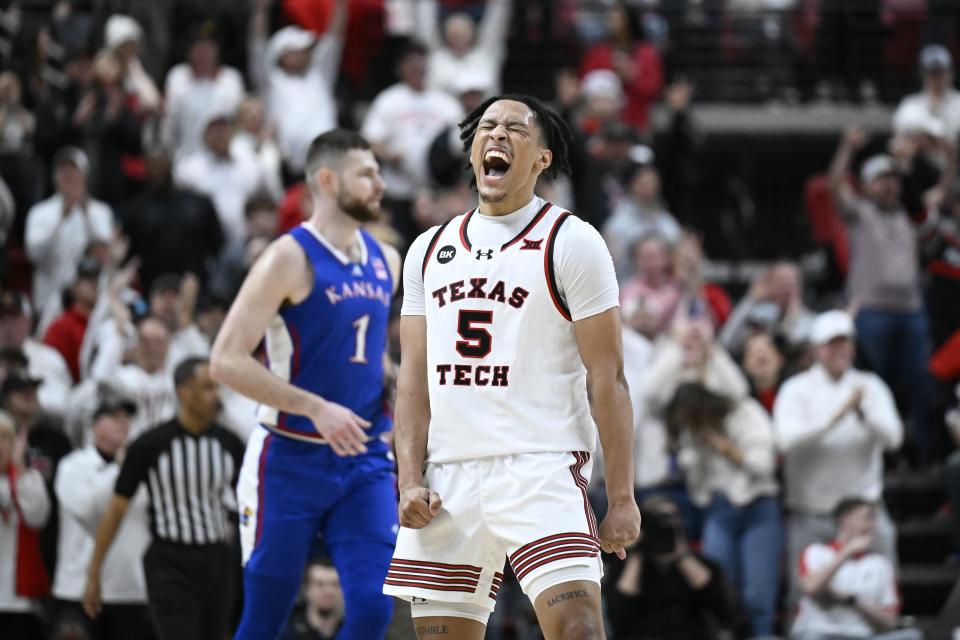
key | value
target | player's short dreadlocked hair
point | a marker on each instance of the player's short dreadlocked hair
(554, 132)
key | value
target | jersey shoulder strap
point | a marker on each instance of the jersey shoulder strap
(548, 265)
(434, 241)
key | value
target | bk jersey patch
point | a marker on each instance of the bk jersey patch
(446, 254)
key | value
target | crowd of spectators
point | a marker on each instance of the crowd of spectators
(148, 157)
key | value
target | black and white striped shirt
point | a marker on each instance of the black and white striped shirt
(187, 477)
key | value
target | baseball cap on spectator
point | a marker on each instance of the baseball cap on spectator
(120, 29)
(602, 83)
(15, 303)
(472, 80)
(877, 166)
(935, 57)
(88, 268)
(831, 324)
(218, 114)
(642, 155)
(18, 380)
(165, 282)
(111, 403)
(288, 39)
(71, 155)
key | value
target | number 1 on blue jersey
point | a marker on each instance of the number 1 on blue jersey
(360, 354)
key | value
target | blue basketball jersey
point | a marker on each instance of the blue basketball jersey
(332, 343)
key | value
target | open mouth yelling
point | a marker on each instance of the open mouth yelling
(496, 164)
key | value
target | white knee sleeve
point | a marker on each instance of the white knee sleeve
(549, 579)
(421, 608)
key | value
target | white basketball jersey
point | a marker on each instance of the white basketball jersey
(505, 375)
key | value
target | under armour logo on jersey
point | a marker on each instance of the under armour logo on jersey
(488, 254)
(532, 245)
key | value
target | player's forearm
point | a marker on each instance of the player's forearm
(410, 435)
(610, 402)
(245, 375)
(413, 402)
(106, 532)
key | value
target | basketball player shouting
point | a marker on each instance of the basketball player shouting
(510, 336)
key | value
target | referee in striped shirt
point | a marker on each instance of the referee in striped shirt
(188, 465)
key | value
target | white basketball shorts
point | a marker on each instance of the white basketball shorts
(531, 509)
(248, 491)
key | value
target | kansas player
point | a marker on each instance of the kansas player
(320, 298)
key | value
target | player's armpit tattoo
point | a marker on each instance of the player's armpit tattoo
(433, 630)
(569, 595)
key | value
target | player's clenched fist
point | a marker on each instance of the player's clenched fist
(620, 528)
(418, 506)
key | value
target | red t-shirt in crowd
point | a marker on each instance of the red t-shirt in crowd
(647, 83)
(719, 301)
(767, 397)
(294, 208)
(65, 335)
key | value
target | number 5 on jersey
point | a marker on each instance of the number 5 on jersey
(477, 341)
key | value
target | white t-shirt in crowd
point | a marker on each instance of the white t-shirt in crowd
(477, 69)
(707, 472)
(55, 242)
(406, 122)
(869, 577)
(84, 487)
(191, 100)
(228, 183)
(303, 106)
(153, 393)
(915, 107)
(823, 465)
(47, 364)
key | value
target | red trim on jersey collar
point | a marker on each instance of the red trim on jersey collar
(464, 238)
(530, 225)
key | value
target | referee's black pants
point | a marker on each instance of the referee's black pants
(190, 588)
